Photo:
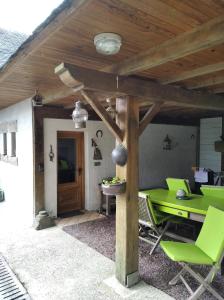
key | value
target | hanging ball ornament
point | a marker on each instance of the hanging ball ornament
(119, 155)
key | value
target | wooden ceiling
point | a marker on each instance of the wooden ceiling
(171, 42)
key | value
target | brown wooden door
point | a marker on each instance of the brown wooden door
(70, 171)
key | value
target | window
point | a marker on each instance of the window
(13, 144)
(8, 143)
(4, 143)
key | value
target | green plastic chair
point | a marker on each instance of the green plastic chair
(175, 184)
(150, 223)
(207, 250)
(214, 191)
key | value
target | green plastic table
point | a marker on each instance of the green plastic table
(195, 208)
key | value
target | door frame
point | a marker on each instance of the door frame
(74, 134)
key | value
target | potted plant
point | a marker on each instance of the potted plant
(113, 186)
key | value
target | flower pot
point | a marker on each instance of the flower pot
(114, 189)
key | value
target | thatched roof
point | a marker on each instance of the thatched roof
(28, 39)
(10, 41)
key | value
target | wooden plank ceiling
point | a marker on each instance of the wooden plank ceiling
(172, 42)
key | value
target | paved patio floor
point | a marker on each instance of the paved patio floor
(54, 266)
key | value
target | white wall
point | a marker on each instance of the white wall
(93, 174)
(156, 164)
(210, 131)
(17, 181)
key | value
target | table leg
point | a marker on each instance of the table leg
(222, 267)
(101, 202)
(107, 205)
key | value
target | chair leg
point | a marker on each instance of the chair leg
(205, 283)
(159, 238)
(177, 277)
(200, 290)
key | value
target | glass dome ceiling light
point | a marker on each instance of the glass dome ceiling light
(107, 43)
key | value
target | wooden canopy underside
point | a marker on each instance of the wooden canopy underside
(170, 42)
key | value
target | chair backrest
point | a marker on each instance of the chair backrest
(146, 212)
(211, 237)
(175, 184)
(214, 191)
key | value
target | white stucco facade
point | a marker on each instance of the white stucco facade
(17, 180)
(210, 132)
(93, 174)
(155, 163)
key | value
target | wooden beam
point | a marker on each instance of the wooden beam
(207, 35)
(150, 114)
(77, 77)
(45, 33)
(103, 114)
(205, 70)
(207, 82)
(218, 90)
(127, 203)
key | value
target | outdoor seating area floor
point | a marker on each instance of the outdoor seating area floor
(156, 270)
(53, 265)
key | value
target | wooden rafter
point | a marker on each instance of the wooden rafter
(207, 82)
(148, 90)
(218, 90)
(148, 117)
(57, 94)
(205, 70)
(45, 34)
(103, 114)
(203, 37)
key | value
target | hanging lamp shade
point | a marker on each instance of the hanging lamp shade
(79, 115)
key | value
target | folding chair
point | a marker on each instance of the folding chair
(150, 223)
(175, 184)
(212, 190)
(207, 250)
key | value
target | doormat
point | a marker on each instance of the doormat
(70, 214)
(10, 286)
(156, 270)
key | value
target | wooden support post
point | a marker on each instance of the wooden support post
(127, 203)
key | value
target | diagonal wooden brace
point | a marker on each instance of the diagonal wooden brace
(103, 114)
(150, 114)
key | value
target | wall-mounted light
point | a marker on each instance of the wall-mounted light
(79, 115)
(107, 43)
(167, 143)
(37, 99)
(111, 111)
